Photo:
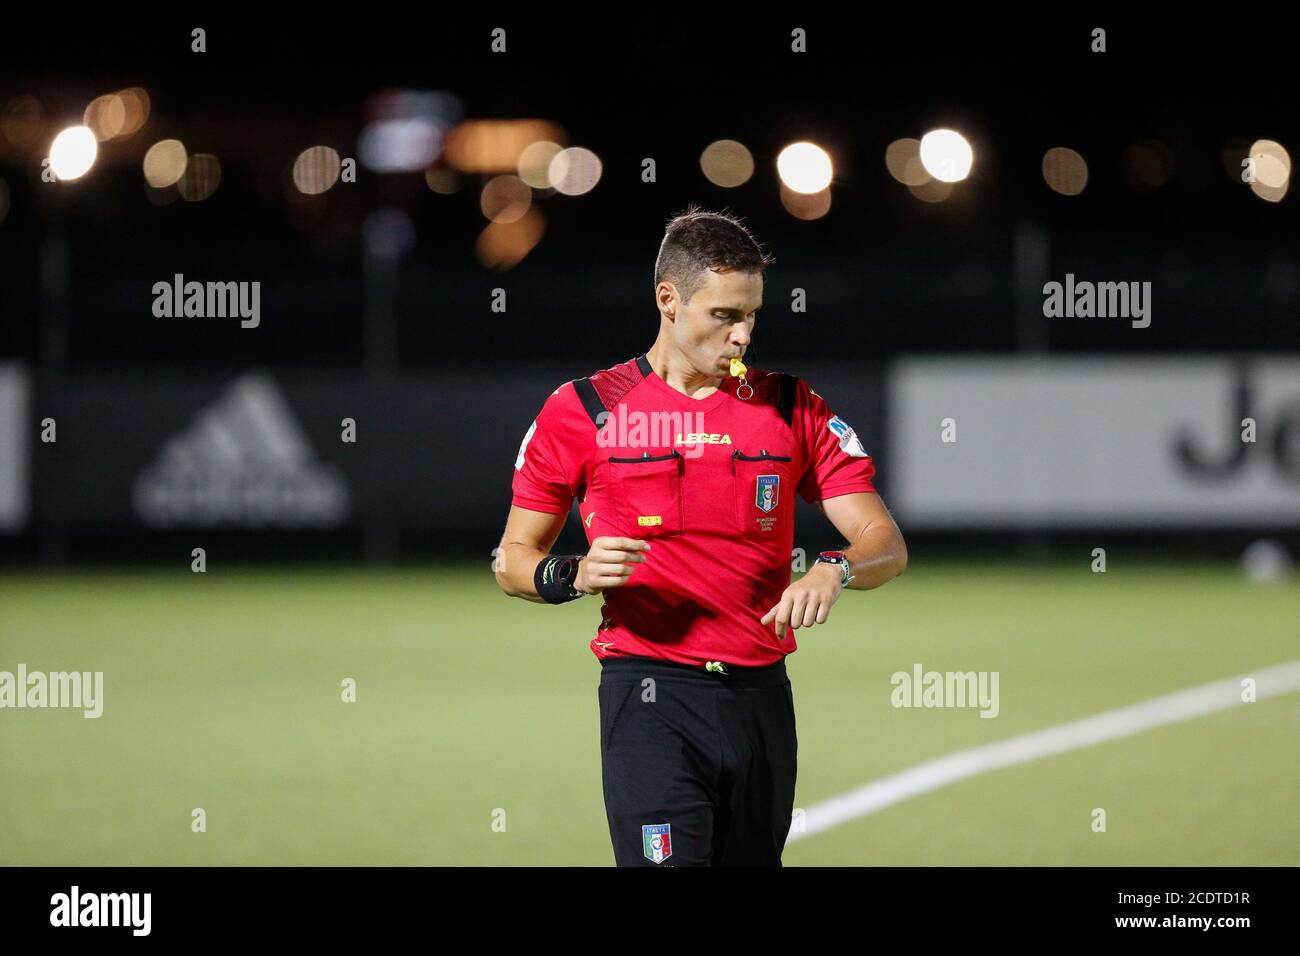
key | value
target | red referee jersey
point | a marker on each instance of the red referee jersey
(708, 482)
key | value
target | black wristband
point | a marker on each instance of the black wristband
(554, 578)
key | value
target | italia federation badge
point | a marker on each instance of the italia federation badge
(656, 841)
(765, 492)
(850, 444)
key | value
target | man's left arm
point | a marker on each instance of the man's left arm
(875, 551)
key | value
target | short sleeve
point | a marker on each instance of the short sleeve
(837, 464)
(550, 467)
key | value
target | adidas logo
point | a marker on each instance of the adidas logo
(244, 461)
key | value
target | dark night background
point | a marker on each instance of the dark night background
(886, 274)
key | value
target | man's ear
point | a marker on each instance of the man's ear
(670, 307)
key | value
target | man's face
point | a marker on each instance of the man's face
(715, 326)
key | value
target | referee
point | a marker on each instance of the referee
(685, 464)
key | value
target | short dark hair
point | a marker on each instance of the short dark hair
(696, 241)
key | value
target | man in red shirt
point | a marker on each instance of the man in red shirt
(685, 466)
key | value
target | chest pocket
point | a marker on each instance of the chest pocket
(764, 486)
(649, 492)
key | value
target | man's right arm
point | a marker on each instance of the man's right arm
(549, 471)
(528, 538)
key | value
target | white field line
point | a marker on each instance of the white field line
(1109, 725)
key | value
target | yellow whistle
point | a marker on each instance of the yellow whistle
(737, 367)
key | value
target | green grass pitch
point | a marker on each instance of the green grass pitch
(222, 691)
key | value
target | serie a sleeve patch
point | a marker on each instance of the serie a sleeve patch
(850, 444)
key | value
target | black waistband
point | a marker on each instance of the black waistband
(732, 675)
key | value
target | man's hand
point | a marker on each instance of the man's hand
(609, 563)
(808, 601)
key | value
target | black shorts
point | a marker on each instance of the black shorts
(698, 767)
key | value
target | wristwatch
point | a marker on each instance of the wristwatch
(554, 577)
(837, 557)
(566, 572)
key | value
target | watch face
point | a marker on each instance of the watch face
(837, 557)
(567, 571)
